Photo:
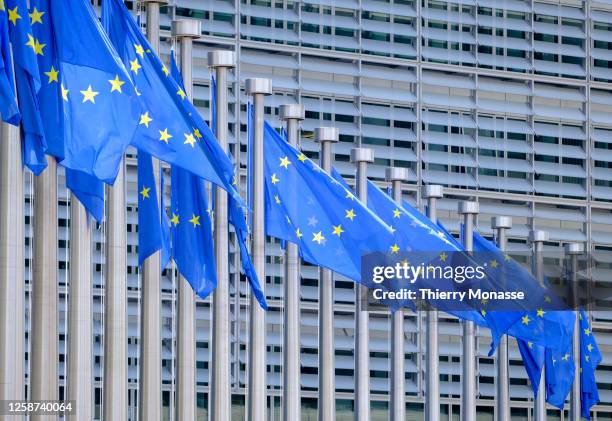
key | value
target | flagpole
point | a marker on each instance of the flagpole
(150, 376)
(12, 301)
(502, 410)
(292, 114)
(220, 381)
(115, 313)
(79, 384)
(326, 136)
(573, 250)
(432, 362)
(186, 30)
(44, 358)
(256, 411)
(537, 239)
(468, 374)
(361, 157)
(396, 176)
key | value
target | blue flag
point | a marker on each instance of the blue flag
(531, 320)
(169, 125)
(8, 104)
(150, 221)
(89, 190)
(306, 206)
(88, 103)
(590, 357)
(28, 82)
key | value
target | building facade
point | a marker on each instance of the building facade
(508, 103)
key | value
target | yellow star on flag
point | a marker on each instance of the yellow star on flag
(349, 195)
(301, 157)
(145, 119)
(38, 48)
(298, 233)
(586, 358)
(189, 140)
(89, 95)
(175, 219)
(2, 8)
(397, 213)
(540, 312)
(443, 257)
(277, 199)
(64, 93)
(13, 15)
(484, 313)
(165, 70)
(135, 66)
(31, 43)
(139, 50)
(566, 357)
(350, 214)
(392, 229)
(338, 230)
(590, 347)
(547, 299)
(525, 319)
(284, 162)
(145, 192)
(52, 75)
(530, 344)
(587, 332)
(116, 84)
(318, 237)
(164, 136)
(195, 220)
(36, 16)
(274, 179)
(197, 133)
(494, 264)
(394, 249)
(181, 93)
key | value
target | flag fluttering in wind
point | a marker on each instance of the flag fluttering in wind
(88, 104)
(27, 77)
(8, 102)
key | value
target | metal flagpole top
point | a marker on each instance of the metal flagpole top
(292, 112)
(258, 85)
(433, 191)
(221, 58)
(186, 28)
(362, 155)
(501, 222)
(397, 174)
(538, 236)
(467, 207)
(574, 248)
(326, 134)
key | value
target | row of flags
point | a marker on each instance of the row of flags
(87, 90)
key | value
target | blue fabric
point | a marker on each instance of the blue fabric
(170, 127)
(28, 82)
(306, 206)
(89, 190)
(85, 123)
(8, 103)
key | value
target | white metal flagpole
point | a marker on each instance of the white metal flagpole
(468, 361)
(186, 30)
(537, 239)
(396, 176)
(12, 301)
(326, 136)
(572, 251)
(150, 376)
(502, 405)
(258, 88)
(292, 114)
(361, 157)
(432, 362)
(220, 377)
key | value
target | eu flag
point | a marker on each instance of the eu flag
(150, 235)
(28, 82)
(8, 104)
(307, 206)
(88, 101)
(590, 357)
(169, 126)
